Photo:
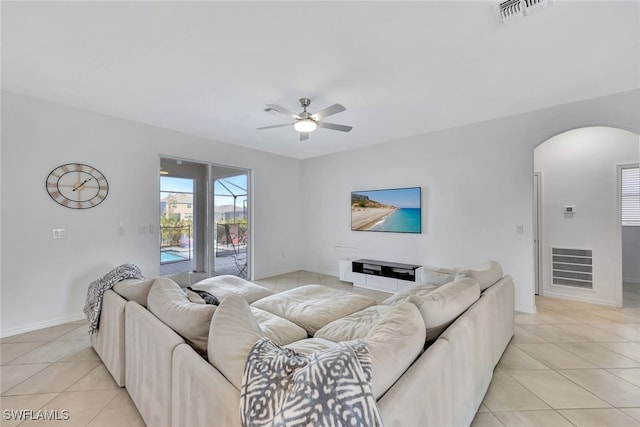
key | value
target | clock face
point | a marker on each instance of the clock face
(77, 186)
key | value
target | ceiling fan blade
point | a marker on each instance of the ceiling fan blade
(304, 136)
(282, 110)
(334, 109)
(341, 128)
(274, 126)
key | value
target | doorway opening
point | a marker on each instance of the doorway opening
(579, 253)
(204, 220)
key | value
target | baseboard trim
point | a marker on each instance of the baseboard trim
(41, 325)
(580, 298)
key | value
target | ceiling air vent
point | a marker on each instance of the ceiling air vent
(512, 10)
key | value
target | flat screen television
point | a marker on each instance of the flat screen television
(396, 210)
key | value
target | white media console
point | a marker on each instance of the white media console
(380, 275)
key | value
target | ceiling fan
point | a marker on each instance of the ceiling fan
(306, 122)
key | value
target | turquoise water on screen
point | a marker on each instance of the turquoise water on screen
(404, 220)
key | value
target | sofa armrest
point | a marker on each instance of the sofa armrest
(202, 396)
(149, 355)
(108, 340)
(428, 380)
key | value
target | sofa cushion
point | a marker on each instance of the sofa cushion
(442, 305)
(356, 325)
(437, 276)
(279, 330)
(134, 289)
(169, 302)
(394, 334)
(221, 286)
(310, 345)
(232, 333)
(408, 294)
(313, 306)
(486, 275)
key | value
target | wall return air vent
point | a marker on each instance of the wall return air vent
(512, 10)
(572, 267)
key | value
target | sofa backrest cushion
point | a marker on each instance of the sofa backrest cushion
(440, 306)
(486, 275)
(394, 342)
(232, 334)
(280, 331)
(394, 334)
(437, 276)
(221, 286)
(134, 289)
(169, 302)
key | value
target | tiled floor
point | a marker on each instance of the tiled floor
(570, 364)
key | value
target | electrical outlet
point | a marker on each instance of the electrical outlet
(59, 233)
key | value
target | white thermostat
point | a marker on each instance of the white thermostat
(569, 209)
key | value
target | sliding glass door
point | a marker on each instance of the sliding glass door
(204, 219)
(231, 221)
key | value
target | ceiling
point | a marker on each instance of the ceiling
(400, 68)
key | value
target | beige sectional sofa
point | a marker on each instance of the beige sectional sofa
(467, 323)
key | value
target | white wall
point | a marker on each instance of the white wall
(579, 168)
(44, 281)
(477, 185)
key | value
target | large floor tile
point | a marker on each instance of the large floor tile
(556, 390)
(554, 357)
(11, 376)
(630, 374)
(599, 417)
(586, 316)
(15, 404)
(632, 412)
(98, 379)
(119, 412)
(521, 335)
(46, 334)
(50, 352)
(607, 386)
(81, 333)
(590, 333)
(600, 356)
(628, 349)
(54, 378)
(553, 333)
(547, 418)
(506, 394)
(82, 407)
(10, 351)
(627, 331)
(486, 419)
(86, 353)
(514, 359)
(617, 316)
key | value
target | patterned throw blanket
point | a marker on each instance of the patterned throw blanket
(97, 288)
(281, 387)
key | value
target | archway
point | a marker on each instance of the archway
(580, 234)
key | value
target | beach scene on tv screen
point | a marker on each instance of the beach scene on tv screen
(395, 210)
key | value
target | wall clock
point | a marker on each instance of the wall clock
(77, 186)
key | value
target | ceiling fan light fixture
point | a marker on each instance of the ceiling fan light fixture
(305, 125)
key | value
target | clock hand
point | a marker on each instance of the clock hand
(78, 187)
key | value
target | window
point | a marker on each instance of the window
(630, 195)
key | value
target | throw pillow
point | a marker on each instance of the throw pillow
(232, 333)
(169, 303)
